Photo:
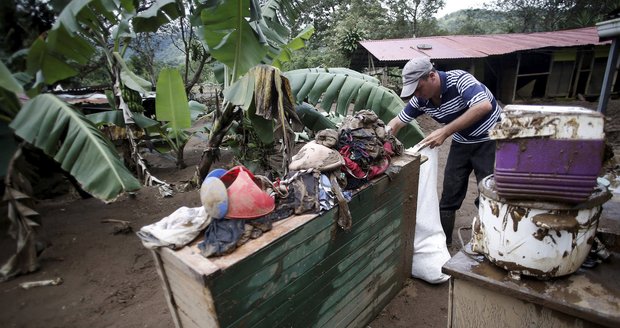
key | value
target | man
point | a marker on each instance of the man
(468, 110)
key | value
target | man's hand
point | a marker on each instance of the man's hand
(471, 116)
(395, 125)
(436, 138)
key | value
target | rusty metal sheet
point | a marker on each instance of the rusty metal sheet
(477, 46)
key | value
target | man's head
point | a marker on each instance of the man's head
(413, 71)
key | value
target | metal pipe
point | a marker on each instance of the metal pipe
(610, 72)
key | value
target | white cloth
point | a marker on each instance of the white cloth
(430, 252)
(175, 230)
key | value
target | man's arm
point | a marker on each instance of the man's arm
(395, 125)
(471, 116)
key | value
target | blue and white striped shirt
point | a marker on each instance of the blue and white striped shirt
(459, 92)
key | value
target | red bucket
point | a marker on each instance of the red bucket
(246, 199)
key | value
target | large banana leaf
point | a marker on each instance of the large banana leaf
(44, 61)
(171, 101)
(75, 143)
(171, 106)
(230, 37)
(65, 38)
(285, 51)
(242, 33)
(276, 15)
(9, 87)
(131, 80)
(345, 87)
(7, 81)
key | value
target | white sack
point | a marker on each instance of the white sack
(430, 252)
(175, 230)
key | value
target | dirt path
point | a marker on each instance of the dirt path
(109, 280)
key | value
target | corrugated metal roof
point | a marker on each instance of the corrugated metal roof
(477, 46)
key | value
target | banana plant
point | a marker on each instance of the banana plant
(242, 34)
(67, 136)
(266, 99)
(74, 142)
(110, 25)
(45, 122)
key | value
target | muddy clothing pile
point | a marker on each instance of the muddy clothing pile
(366, 147)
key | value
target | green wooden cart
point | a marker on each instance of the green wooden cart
(305, 272)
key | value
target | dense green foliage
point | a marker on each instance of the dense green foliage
(473, 21)
(21, 21)
(551, 15)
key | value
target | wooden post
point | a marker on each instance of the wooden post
(167, 292)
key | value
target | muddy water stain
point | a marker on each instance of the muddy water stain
(491, 272)
(557, 221)
(517, 214)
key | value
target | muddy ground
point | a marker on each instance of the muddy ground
(109, 278)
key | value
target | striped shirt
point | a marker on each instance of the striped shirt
(459, 92)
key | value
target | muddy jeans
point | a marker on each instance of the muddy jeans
(462, 159)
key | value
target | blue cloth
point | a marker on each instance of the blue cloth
(221, 237)
(459, 92)
(327, 197)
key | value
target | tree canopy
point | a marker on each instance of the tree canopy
(550, 15)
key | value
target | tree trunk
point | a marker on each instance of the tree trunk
(212, 152)
(190, 84)
(180, 162)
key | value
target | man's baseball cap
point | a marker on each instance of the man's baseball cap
(412, 72)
